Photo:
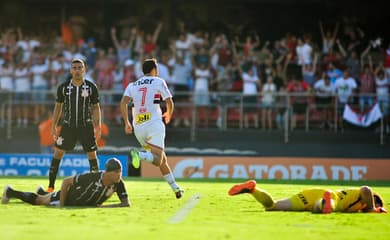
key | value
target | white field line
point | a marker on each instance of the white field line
(185, 210)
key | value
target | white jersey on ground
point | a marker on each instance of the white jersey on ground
(145, 94)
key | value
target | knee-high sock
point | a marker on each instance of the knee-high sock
(263, 197)
(93, 165)
(55, 164)
(171, 181)
(28, 197)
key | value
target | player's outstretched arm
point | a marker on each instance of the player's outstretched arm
(124, 203)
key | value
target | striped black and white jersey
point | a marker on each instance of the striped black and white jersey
(88, 190)
(77, 102)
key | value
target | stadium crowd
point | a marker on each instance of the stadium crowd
(338, 62)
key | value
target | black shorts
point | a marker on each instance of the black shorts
(299, 108)
(70, 136)
(324, 101)
(250, 103)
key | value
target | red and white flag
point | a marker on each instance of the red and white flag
(362, 119)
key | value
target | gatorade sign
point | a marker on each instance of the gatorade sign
(274, 168)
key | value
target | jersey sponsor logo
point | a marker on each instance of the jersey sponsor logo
(142, 117)
(143, 81)
(303, 199)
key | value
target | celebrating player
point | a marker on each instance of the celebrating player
(145, 94)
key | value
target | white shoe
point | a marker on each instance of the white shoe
(5, 198)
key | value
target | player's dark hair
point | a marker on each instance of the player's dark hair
(113, 164)
(149, 65)
(378, 200)
(78, 60)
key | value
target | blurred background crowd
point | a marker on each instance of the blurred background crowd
(211, 54)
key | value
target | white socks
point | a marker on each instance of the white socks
(171, 181)
(146, 156)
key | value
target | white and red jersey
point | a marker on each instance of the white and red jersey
(145, 94)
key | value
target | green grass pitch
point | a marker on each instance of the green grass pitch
(205, 212)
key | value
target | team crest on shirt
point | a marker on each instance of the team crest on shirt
(84, 93)
(59, 141)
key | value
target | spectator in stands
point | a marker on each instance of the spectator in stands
(59, 69)
(335, 57)
(22, 93)
(367, 83)
(328, 37)
(118, 74)
(104, 76)
(324, 100)
(201, 96)
(181, 75)
(89, 51)
(251, 84)
(164, 70)
(298, 99)
(382, 80)
(224, 50)
(123, 48)
(268, 103)
(183, 46)
(150, 42)
(304, 51)
(333, 72)
(202, 80)
(345, 88)
(7, 76)
(40, 72)
(309, 71)
(282, 106)
(351, 60)
(6, 85)
(249, 45)
(223, 84)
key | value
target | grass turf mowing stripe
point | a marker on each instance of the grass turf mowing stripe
(185, 210)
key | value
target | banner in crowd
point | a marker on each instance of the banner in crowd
(362, 119)
(39, 164)
(274, 168)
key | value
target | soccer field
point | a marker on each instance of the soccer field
(205, 212)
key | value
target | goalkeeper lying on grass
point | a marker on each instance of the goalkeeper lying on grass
(316, 200)
(88, 189)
